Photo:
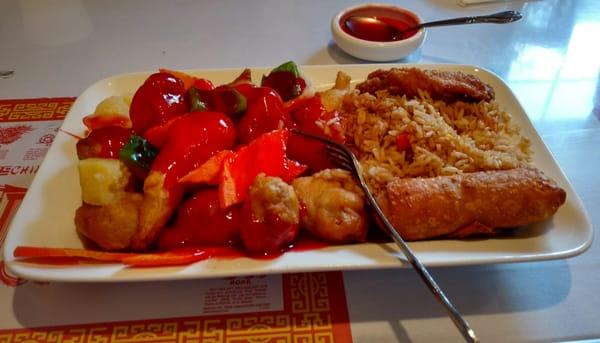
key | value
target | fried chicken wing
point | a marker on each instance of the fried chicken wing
(334, 206)
(441, 85)
(468, 204)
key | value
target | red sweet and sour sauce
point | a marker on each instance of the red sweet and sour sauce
(396, 17)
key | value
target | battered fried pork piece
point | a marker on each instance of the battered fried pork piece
(334, 208)
(332, 98)
(111, 226)
(422, 208)
(441, 85)
(270, 216)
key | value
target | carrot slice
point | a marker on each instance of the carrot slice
(266, 154)
(28, 251)
(209, 171)
(228, 194)
(157, 134)
(188, 80)
(168, 258)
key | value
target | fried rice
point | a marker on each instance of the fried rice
(444, 138)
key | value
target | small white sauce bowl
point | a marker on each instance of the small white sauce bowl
(372, 50)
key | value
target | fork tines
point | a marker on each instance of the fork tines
(339, 157)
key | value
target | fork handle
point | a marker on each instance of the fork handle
(346, 159)
(459, 321)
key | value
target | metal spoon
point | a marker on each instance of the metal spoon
(384, 31)
(6, 74)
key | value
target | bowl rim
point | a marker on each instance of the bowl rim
(335, 23)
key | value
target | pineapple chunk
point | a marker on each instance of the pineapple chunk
(113, 110)
(116, 105)
(102, 180)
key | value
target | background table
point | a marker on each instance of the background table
(551, 59)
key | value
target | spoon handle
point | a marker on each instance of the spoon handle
(496, 18)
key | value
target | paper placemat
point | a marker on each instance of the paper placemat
(314, 310)
(306, 307)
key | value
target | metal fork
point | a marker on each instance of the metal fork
(342, 157)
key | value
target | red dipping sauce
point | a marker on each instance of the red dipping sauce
(396, 17)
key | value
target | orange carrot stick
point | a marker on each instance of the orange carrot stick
(28, 251)
(168, 258)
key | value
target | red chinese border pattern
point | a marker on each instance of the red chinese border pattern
(315, 310)
(34, 109)
(24, 110)
(12, 197)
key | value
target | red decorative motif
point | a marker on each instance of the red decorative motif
(46, 139)
(10, 134)
(10, 199)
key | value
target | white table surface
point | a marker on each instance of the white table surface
(551, 59)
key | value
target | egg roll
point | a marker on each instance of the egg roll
(424, 208)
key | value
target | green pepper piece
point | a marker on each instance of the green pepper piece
(138, 155)
(196, 102)
(235, 102)
(285, 80)
(290, 67)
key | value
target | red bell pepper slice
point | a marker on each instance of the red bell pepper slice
(312, 117)
(265, 112)
(285, 83)
(402, 141)
(245, 78)
(190, 141)
(292, 170)
(189, 80)
(157, 134)
(200, 221)
(297, 103)
(160, 98)
(285, 79)
(224, 99)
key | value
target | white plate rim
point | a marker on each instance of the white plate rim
(118, 272)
